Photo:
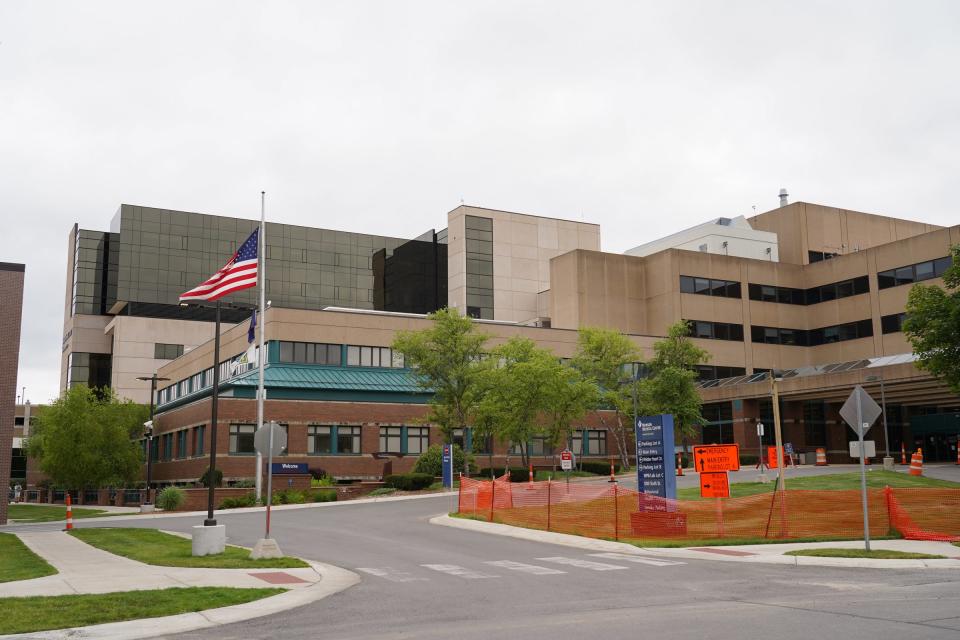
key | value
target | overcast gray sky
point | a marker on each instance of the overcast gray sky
(380, 116)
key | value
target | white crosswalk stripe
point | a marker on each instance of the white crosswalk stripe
(457, 570)
(626, 557)
(525, 568)
(392, 575)
(583, 564)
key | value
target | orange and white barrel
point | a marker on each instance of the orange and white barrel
(821, 457)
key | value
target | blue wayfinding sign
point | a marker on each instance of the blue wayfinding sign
(447, 464)
(655, 450)
(290, 468)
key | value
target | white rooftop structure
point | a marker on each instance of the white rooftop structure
(724, 236)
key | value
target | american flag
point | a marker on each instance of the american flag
(239, 273)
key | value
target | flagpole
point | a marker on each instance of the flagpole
(212, 470)
(262, 355)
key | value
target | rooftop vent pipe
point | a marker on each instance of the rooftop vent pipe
(783, 197)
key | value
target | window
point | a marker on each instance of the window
(358, 356)
(241, 439)
(596, 440)
(167, 446)
(819, 256)
(814, 423)
(391, 439)
(460, 439)
(309, 353)
(715, 330)
(537, 446)
(418, 439)
(718, 428)
(319, 440)
(347, 439)
(163, 351)
(710, 287)
(716, 372)
(155, 445)
(813, 295)
(892, 323)
(913, 273)
(182, 443)
(812, 337)
(333, 440)
(479, 262)
(198, 434)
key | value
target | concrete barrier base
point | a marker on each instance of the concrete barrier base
(209, 541)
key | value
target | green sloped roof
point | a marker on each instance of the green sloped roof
(286, 376)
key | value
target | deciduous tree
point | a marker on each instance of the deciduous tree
(933, 325)
(87, 439)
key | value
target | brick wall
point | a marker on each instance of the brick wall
(11, 307)
(298, 415)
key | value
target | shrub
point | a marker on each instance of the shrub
(597, 467)
(409, 481)
(217, 477)
(289, 496)
(322, 482)
(325, 496)
(431, 460)
(317, 473)
(382, 491)
(171, 498)
(246, 483)
(239, 502)
(517, 474)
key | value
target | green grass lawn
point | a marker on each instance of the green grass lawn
(155, 547)
(38, 613)
(880, 554)
(875, 480)
(50, 512)
(17, 562)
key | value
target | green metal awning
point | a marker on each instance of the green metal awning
(313, 377)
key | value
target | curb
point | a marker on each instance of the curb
(333, 580)
(594, 544)
(9, 527)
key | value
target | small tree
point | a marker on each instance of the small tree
(605, 357)
(933, 325)
(446, 359)
(568, 398)
(671, 387)
(517, 389)
(88, 439)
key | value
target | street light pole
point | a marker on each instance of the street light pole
(154, 378)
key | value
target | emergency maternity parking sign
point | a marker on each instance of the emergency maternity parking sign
(655, 451)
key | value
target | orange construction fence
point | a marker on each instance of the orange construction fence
(612, 512)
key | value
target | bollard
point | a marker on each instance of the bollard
(69, 513)
(531, 473)
(613, 475)
(679, 464)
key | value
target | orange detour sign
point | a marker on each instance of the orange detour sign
(714, 485)
(712, 458)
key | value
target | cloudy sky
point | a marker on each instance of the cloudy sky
(381, 116)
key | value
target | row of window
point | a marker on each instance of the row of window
(892, 323)
(709, 287)
(812, 337)
(913, 272)
(813, 295)
(337, 439)
(309, 353)
(177, 444)
(820, 256)
(162, 351)
(717, 372)
(716, 330)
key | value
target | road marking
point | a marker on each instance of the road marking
(390, 574)
(656, 562)
(457, 570)
(583, 564)
(525, 568)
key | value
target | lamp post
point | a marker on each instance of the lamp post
(887, 460)
(149, 429)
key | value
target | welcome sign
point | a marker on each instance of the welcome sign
(655, 451)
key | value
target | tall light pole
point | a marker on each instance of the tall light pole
(883, 409)
(149, 435)
(778, 435)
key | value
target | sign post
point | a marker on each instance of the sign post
(655, 451)
(860, 411)
(272, 438)
(447, 465)
(760, 464)
(566, 463)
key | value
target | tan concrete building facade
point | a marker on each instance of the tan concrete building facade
(11, 295)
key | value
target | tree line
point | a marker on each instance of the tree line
(516, 391)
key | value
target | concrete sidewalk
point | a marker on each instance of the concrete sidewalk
(764, 553)
(84, 569)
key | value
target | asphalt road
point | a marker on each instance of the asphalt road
(482, 587)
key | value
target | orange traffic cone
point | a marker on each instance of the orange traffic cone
(679, 465)
(69, 513)
(903, 454)
(916, 463)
